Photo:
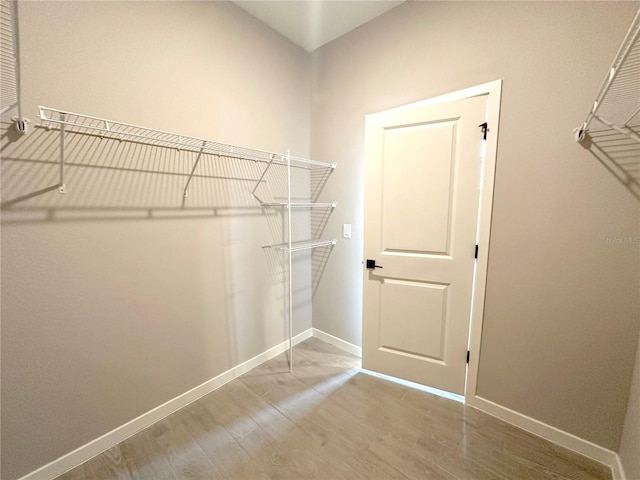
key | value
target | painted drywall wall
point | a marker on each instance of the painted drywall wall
(114, 298)
(630, 442)
(153, 307)
(561, 314)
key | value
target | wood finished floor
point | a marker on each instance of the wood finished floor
(328, 420)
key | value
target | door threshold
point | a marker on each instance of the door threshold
(416, 386)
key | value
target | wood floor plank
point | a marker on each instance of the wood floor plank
(397, 438)
(273, 441)
(307, 441)
(81, 472)
(110, 464)
(394, 443)
(304, 407)
(329, 420)
(215, 441)
(185, 456)
(144, 459)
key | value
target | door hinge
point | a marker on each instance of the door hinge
(485, 129)
(468, 354)
(475, 255)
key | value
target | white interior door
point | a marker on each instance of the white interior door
(422, 186)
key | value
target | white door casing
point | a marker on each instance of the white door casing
(422, 193)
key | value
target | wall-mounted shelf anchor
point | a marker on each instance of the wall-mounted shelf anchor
(21, 125)
(580, 133)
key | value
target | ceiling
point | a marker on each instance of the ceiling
(312, 23)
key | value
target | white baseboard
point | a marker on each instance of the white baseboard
(112, 438)
(555, 435)
(617, 471)
(338, 342)
(564, 439)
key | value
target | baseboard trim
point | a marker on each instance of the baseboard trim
(338, 342)
(112, 438)
(564, 439)
(553, 434)
(617, 470)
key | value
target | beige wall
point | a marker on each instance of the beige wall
(107, 313)
(106, 318)
(630, 442)
(561, 316)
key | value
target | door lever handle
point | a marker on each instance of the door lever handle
(371, 264)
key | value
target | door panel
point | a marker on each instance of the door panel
(421, 205)
(408, 178)
(418, 307)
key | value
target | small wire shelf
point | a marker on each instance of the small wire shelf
(298, 246)
(299, 205)
(617, 105)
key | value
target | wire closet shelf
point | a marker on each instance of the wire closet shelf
(70, 122)
(298, 246)
(65, 122)
(53, 118)
(9, 93)
(617, 105)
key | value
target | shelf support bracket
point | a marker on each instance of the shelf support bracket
(264, 172)
(62, 188)
(186, 187)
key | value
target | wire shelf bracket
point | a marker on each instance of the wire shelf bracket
(195, 165)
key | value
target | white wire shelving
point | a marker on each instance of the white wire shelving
(10, 92)
(299, 205)
(67, 122)
(304, 245)
(617, 105)
(290, 247)
(70, 122)
(8, 56)
(53, 118)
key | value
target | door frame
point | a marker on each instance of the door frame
(493, 91)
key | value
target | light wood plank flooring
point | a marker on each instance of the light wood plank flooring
(328, 420)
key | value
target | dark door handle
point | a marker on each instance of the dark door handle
(372, 264)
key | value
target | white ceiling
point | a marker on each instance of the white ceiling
(312, 23)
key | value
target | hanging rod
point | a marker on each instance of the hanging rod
(298, 246)
(86, 124)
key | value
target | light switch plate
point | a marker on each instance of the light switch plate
(346, 230)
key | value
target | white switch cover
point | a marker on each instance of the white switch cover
(346, 230)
